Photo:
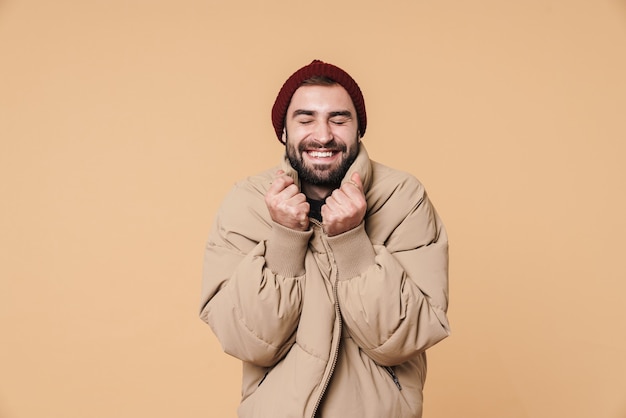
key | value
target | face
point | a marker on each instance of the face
(321, 134)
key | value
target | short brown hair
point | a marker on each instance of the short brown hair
(319, 80)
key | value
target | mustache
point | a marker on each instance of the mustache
(331, 145)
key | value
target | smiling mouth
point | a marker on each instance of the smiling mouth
(321, 154)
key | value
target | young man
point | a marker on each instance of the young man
(327, 275)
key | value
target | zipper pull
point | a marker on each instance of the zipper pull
(393, 377)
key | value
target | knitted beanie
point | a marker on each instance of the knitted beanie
(317, 68)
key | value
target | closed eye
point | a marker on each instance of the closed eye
(340, 117)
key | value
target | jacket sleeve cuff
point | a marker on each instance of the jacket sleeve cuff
(285, 250)
(353, 252)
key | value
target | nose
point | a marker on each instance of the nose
(323, 133)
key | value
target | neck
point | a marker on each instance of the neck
(316, 192)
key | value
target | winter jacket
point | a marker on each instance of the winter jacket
(330, 327)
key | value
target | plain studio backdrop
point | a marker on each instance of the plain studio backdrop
(123, 123)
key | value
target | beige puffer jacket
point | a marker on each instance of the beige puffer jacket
(329, 326)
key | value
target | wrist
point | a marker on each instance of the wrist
(285, 250)
(353, 251)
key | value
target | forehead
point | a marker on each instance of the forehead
(321, 99)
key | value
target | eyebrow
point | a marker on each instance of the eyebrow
(345, 113)
(299, 112)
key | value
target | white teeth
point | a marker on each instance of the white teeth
(320, 154)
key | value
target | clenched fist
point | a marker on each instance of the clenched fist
(286, 204)
(345, 207)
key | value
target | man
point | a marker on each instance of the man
(327, 275)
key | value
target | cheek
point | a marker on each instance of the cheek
(293, 141)
(295, 132)
(347, 132)
(348, 136)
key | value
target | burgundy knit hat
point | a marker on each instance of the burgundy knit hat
(317, 68)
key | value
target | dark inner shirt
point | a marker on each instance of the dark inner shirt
(316, 208)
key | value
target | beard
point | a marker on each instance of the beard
(321, 174)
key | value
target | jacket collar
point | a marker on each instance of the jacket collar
(362, 165)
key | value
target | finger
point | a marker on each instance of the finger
(327, 213)
(337, 206)
(301, 214)
(295, 211)
(303, 209)
(289, 192)
(355, 180)
(297, 199)
(340, 197)
(279, 184)
(353, 189)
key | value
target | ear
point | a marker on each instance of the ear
(283, 139)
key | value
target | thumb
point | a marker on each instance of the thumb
(356, 180)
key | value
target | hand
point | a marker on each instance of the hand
(345, 207)
(286, 204)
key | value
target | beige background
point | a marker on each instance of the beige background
(124, 122)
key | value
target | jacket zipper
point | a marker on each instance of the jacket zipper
(339, 325)
(393, 376)
(263, 378)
